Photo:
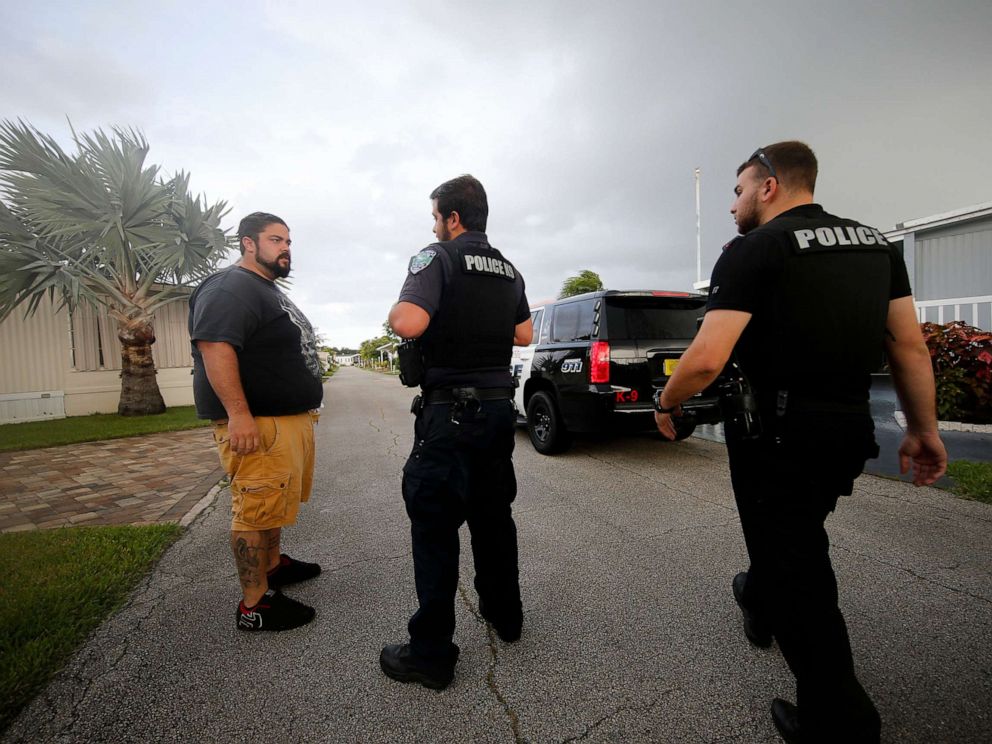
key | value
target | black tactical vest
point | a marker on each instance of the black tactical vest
(830, 307)
(473, 326)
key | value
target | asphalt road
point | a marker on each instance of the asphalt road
(628, 547)
(961, 445)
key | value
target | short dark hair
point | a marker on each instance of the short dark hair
(466, 196)
(253, 224)
(793, 161)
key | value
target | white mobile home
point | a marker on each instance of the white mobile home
(55, 363)
(949, 258)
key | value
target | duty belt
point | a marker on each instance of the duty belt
(452, 395)
(804, 403)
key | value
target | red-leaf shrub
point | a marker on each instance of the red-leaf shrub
(962, 365)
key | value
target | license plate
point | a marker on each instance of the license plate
(670, 365)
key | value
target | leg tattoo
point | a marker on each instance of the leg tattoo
(251, 560)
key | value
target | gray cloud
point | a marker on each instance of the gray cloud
(584, 120)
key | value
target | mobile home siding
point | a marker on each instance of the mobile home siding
(954, 262)
(80, 356)
(34, 350)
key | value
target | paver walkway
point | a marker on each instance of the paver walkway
(137, 480)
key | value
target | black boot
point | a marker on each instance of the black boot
(754, 628)
(507, 628)
(399, 663)
(786, 718)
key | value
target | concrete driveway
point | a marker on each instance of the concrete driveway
(627, 546)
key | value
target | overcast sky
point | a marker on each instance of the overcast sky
(584, 120)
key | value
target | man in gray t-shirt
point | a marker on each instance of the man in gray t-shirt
(257, 377)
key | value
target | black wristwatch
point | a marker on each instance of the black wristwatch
(657, 404)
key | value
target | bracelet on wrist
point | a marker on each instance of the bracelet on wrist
(660, 408)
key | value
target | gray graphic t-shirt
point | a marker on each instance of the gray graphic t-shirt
(275, 343)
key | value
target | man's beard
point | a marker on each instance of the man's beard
(747, 221)
(277, 269)
(747, 225)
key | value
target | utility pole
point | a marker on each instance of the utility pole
(700, 285)
(699, 239)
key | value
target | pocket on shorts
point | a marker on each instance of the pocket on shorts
(223, 441)
(268, 434)
(260, 502)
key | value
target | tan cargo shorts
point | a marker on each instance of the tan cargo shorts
(268, 485)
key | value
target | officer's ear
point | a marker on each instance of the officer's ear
(769, 188)
(454, 220)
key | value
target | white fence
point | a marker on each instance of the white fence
(976, 311)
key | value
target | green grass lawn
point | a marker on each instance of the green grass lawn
(34, 434)
(56, 587)
(972, 480)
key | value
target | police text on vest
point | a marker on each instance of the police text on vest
(837, 235)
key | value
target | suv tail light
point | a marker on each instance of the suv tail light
(599, 362)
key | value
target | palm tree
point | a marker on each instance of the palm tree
(586, 281)
(100, 227)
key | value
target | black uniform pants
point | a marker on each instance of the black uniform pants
(784, 495)
(460, 472)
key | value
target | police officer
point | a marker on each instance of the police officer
(808, 302)
(466, 304)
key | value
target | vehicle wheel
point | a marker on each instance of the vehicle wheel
(544, 424)
(683, 429)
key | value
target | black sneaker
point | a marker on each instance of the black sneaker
(291, 571)
(508, 629)
(274, 611)
(755, 629)
(397, 662)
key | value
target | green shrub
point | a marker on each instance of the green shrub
(962, 365)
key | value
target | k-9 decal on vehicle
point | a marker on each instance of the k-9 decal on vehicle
(597, 360)
(627, 396)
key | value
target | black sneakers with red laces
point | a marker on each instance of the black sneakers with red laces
(274, 611)
(291, 571)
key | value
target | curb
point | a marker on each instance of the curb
(202, 504)
(900, 418)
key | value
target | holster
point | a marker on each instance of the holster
(411, 363)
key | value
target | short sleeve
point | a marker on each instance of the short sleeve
(220, 315)
(742, 276)
(523, 307)
(899, 283)
(424, 280)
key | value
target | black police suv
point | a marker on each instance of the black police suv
(597, 360)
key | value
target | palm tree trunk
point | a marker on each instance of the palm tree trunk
(140, 395)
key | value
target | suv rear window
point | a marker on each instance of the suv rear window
(630, 318)
(572, 321)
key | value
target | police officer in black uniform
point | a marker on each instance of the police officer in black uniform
(466, 304)
(808, 302)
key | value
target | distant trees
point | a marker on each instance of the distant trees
(586, 281)
(369, 349)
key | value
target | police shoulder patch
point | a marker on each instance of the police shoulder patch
(422, 260)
